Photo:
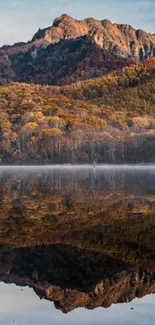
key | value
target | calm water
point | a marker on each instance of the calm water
(77, 245)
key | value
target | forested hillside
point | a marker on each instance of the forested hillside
(132, 87)
(40, 125)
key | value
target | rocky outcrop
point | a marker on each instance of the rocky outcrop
(120, 39)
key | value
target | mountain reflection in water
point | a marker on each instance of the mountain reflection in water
(80, 237)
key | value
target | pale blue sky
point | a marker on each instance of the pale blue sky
(20, 19)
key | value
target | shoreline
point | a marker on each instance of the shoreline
(79, 166)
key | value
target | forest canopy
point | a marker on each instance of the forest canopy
(108, 119)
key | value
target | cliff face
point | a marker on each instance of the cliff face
(120, 39)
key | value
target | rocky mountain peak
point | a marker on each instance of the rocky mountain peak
(119, 39)
(72, 50)
(64, 18)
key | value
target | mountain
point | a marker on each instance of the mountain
(122, 40)
(72, 50)
(101, 105)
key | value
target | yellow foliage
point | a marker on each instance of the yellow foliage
(53, 132)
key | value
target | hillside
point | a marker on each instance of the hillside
(72, 50)
(132, 88)
(40, 125)
(63, 63)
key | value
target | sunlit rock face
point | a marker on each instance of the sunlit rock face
(122, 39)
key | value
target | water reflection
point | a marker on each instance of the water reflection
(79, 237)
(22, 307)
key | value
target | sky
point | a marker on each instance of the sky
(20, 19)
(25, 308)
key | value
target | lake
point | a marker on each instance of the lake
(77, 245)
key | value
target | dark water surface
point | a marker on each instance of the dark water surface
(77, 245)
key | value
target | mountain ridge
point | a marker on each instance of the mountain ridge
(137, 43)
(71, 50)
